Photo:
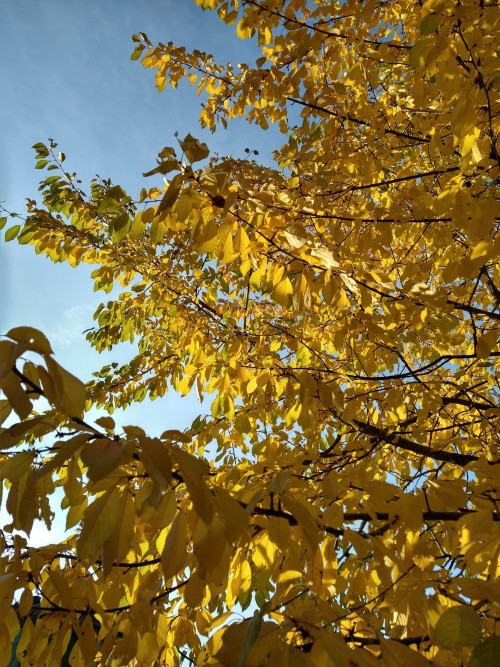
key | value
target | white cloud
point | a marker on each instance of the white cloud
(72, 324)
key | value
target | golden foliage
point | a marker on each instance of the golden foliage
(340, 308)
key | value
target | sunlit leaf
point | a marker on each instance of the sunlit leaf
(193, 149)
(174, 554)
(12, 232)
(35, 340)
(330, 295)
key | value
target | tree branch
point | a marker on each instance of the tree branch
(409, 445)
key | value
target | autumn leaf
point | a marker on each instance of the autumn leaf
(335, 309)
(458, 625)
(193, 149)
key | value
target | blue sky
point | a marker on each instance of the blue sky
(67, 74)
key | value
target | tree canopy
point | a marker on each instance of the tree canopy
(337, 312)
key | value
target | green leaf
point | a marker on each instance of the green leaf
(11, 233)
(459, 625)
(251, 637)
(486, 654)
(137, 52)
(2, 222)
(116, 192)
(41, 149)
(25, 237)
(51, 179)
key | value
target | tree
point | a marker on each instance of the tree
(339, 311)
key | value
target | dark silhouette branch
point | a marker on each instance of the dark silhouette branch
(415, 447)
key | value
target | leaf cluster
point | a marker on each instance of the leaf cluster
(338, 314)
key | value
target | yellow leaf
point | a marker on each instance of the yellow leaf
(283, 291)
(62, 587)
(430, 23)
(487, 343)
(174, 554)
(482, 249)
(9, 629)
(205, 239)
(33, 339)
(8, 582)
(288, 575)
(257, 276)
(192, 470)
(170, 196)
(66, 450)
(156, 460)
(209, 544)
(330, 649)
(242, 242)
(71, 394)
(76, 657)
(243, 30)
(87, 639)
(5, 410)
(102, 456)
(325, 257)
(233, 515)
(16, 395)
(195, 593)
(333, 516)
(98, 524)
(294, 240)
(419, 51)
(16, 466)
(228, 251)
(119, 543)
(193, 149)
(25, 602)
(106, 422)
(470, 145)
(305, 516)
(395, 654)
(478, 589)
(245, 644)
(21, 502)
